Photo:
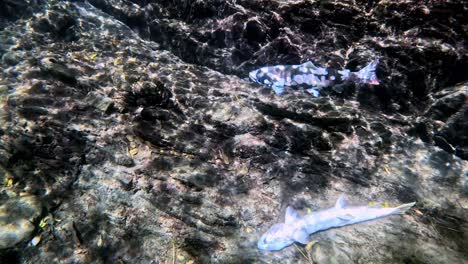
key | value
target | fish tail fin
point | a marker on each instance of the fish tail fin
(402, 208)
(367, 74)
(253, 75)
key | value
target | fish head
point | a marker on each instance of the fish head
(264, 76)
(276, 238)
(261, 76)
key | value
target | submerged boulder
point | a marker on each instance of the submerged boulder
(17, 218)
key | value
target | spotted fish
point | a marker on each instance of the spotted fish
(311, 76)
(297, 228)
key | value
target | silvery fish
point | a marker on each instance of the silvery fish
(311, 76)
(298, 229)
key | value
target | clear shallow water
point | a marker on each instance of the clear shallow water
(134, 153)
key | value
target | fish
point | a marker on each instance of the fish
(297, 229)
(311, 76)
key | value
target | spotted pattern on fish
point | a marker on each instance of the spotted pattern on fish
(310, 76)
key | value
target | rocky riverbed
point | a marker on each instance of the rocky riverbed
(129, 132)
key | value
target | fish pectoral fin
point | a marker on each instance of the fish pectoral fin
(346, 217)
(314, 91)
(309, 64)
(278, 88)
(301, 236)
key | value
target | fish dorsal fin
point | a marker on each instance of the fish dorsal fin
(309, 64)
(291, 215)
(314, 91)
(341, 202)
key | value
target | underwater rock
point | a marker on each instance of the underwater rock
(17, 216)
(100, 101)
(247, 145)
(60, 25)
(58, 70)
(445, 122)
(141, 135)
(11, 58)
(12, 10)
(124, 160)
(243, 117)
